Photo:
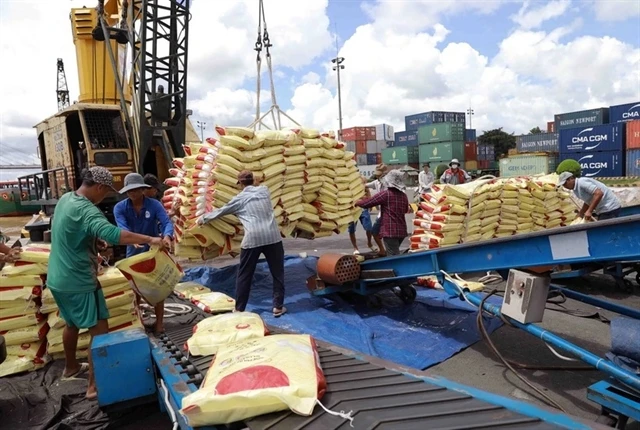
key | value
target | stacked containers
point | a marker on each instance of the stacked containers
(441, 142)
(402, 155)
(599, 149)
(527, 165)
(486, 155)
(545, 143)
(581, 119)
(415, 121)
(633, 148)
(406, 138)
(368, 142)
(551, 127)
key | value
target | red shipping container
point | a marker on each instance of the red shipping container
(348, 134)
(370, 133)
(483, 164)
(361, 146)
(470, 151)
(551, 127)
(633, 134)
(378, 158)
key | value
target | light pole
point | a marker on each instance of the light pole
(338, 66)
(202, 125)
(470, 113)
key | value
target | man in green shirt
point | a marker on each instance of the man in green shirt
(78, 230)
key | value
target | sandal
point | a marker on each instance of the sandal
(279, 312)
(84, 367)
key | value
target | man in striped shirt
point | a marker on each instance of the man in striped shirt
(261, 236)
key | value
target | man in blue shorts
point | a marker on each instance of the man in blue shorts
(365, 220)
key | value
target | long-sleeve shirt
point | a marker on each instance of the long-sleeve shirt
(394, 204)
(377, 186)
(426, 180)
(253, 207)
(144, 222)
(454, 178)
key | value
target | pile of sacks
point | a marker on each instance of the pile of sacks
(492, 208)
(314, 184)
(22, 324)
(120, 301)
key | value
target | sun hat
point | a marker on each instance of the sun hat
(395, 179)
(133, 181)
(454, 161)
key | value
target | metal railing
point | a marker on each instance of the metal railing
(44, 186)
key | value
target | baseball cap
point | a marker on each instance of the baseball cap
(245, 176)
(99, 175)
(564, 177)
(133, 181)
(454, 161)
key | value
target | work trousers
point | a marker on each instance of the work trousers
(392, 245)
(274, 254)
(609, 215)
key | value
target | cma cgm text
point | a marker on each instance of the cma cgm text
(585, 139)
(594, 165)
(631, 115)
(586, 120)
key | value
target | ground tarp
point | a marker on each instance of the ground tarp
(420, 335)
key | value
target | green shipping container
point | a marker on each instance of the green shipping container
(445, 151)
(400, 155)
(441, 132)
(527, 165)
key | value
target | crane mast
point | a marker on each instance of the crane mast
(62, 90)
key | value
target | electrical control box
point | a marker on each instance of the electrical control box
(122, 366)
(525, 297)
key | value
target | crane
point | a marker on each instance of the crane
(62, 90)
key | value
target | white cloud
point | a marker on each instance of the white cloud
(616, 10)
(529, 18)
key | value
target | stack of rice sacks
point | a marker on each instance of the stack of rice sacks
(22, 324)
(301, 168)
(122, 313)
(488, 209)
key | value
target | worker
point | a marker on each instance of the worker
(454, 175)
(377, 185)
(143, 215)
(365, 220)
(598, 198)
(394, 204)
(261, 236)
(9, 255)
(79, 230)
(426, 179)
(155, 188)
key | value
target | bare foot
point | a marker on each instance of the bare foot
(91, 393)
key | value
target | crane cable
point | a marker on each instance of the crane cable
(263, 41)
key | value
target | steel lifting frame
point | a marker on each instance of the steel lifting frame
(603, 241)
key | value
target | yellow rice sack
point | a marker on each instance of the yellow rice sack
(214, 332)
(213, 302)
(152, 274)
(256, 377)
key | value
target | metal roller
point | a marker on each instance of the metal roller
(338, 269)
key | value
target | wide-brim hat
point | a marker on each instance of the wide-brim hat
(454, 161)
(133, 181)
(395, 179)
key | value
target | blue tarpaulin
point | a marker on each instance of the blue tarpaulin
(419, 335)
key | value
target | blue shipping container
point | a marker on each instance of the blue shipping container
(390, 143)
(624, 113)
(470, 135)
(372, 159)
(608, 137)
(633, 162)
(608, 164)
(406, 138)
(412, 122)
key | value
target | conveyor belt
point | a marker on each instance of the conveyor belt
(382, 398)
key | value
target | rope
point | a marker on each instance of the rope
(258, 49)
(171, 310)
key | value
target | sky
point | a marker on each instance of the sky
(515, 63)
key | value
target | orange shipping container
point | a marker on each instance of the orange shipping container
(551, 127)
(361, 146)
(633, 134)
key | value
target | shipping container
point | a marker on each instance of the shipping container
(633, 162)
(390, 144)
(438, 116)
(584, 118)
(470, 151)
(350, 146)
(361, 159)
(367, 171)
(358, 133)
(400, 155)
(528, 165)
(372, 146)
(544, 142)
(384, 132)
(370, 132)
(486, 152)
(608, 137)
(470, 135)
(441, 151)
(412, 122)
(633, 135)
(494, 165)
(378, 158)
(361, 146)
(406, 138)
(470, 165)
(380, 145)
(551, 127)
(371, 159)
(609, 164)
(444, 132)
(624, 113)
